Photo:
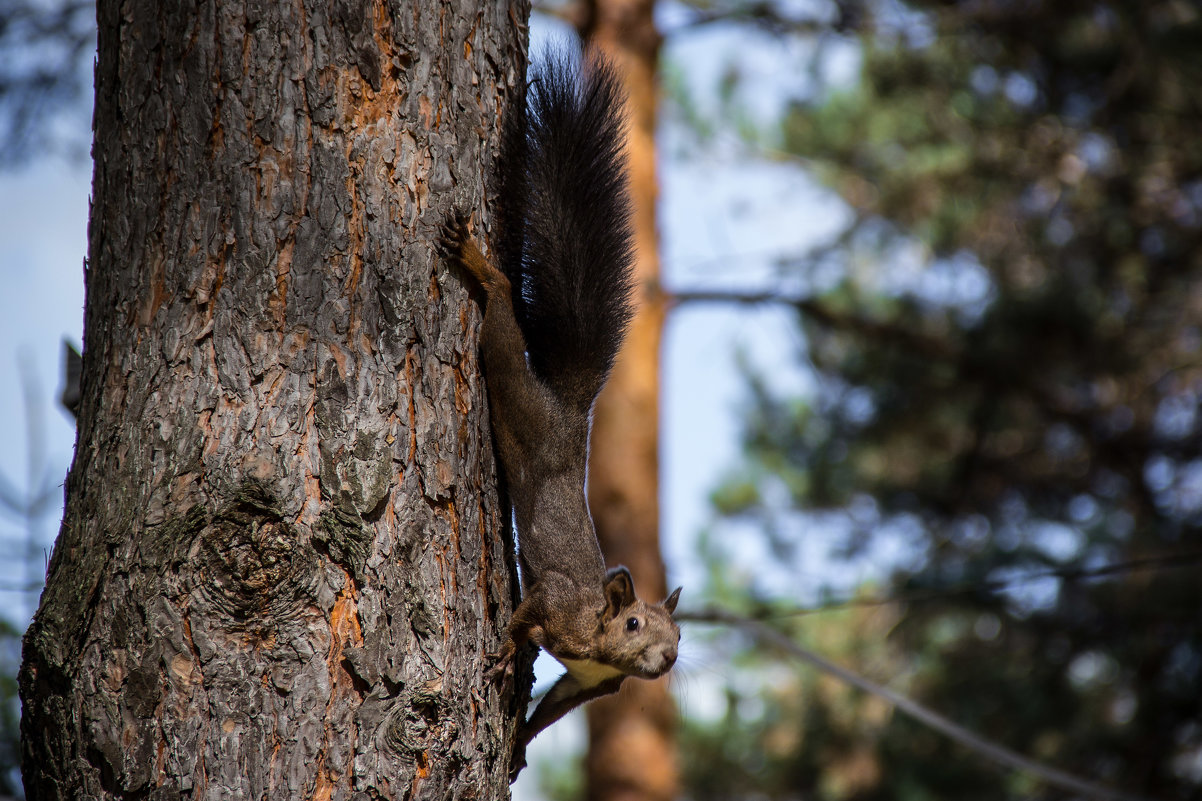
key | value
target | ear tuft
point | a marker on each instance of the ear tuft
(670, 602)
(619, 591)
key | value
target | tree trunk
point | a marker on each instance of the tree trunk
(632, 749)
(280, 568)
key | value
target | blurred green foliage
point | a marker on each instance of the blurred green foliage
(1027, 400)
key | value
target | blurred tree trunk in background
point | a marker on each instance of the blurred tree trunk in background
(278, 573)
(632, 747)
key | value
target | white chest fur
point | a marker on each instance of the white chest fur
(588, 672)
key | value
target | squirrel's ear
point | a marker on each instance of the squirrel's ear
(619, 590)
(670, 602)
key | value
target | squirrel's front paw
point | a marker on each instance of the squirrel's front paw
(452, 236)
(517, 761)
(503, 669)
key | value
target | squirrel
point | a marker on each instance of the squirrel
(555, 315)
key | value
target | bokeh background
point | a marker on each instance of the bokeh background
(931, 383)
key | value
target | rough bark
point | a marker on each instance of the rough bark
(632, 749)
(280, 570)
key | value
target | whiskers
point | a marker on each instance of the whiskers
(698, 672)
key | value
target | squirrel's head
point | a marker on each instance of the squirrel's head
(638, 638)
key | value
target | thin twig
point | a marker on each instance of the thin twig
(922, 714)
(1070, 574)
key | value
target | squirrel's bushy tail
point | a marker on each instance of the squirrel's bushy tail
(571, 272)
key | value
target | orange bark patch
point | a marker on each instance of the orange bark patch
(463, 403)
(323, 789)
(158, 292)
(181, 668)
(344, 620)
(426, 111)
(443, 592)
(453, 517)
(278, 301)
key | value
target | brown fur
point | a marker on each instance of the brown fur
(588, 618)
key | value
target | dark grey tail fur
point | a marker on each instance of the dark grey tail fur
(570, 267)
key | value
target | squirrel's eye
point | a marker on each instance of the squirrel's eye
(632, 624)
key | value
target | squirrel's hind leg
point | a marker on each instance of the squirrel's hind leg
(525, 417)
(522, 627)
(564, 696)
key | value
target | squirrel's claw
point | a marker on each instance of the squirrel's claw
(502, 670)
(517, 762)
(452, 235)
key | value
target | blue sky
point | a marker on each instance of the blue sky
(43, 239)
